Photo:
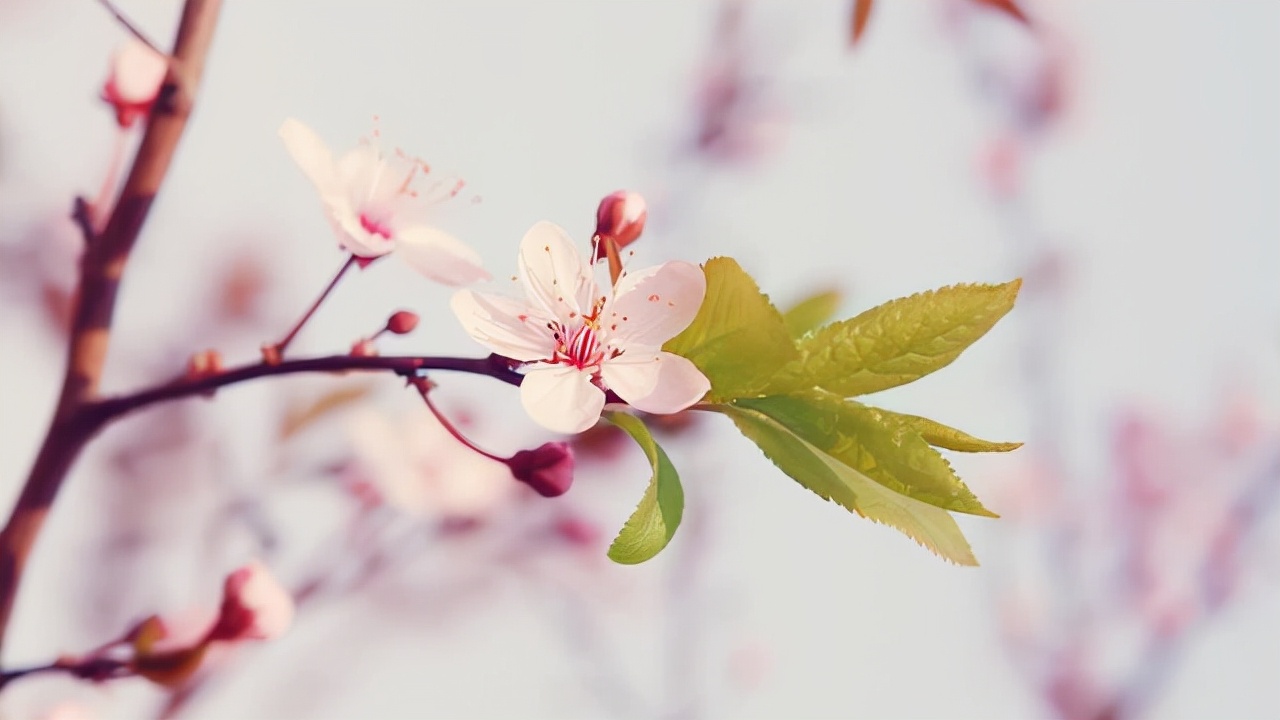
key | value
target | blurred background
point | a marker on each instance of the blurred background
(1122, 157)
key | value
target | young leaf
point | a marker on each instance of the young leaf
(833, 480)
(656, 518)
(898, 342)
(298, 418)
(738, 338)
(944, 436)
(880, 447)
(811, 313)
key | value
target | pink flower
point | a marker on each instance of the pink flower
(580, 342)
(254, 606)
(137, 72)
(371, 202)
(415, 466)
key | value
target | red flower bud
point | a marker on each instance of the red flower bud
(547, 469)
(402, 323)
(620, 218)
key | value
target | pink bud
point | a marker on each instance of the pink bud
(547, 469)
(137, 73)
(204, 364)
(254, 606)
(620, 217)
(364, 348)
(402, 323)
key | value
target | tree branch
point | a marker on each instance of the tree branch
(100, 274)
(96, 414)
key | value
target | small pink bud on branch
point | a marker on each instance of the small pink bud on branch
(402, 322)
(254, 606)
(547, 469)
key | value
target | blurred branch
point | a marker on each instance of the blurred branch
(100, 273)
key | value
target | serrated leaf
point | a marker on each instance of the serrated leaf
(811, 313)
(944, 436)
(656, 518)
(738, 338)
(898, 342)
(298, 418)
(883, 448)
(831, 479)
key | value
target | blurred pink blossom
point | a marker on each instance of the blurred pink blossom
(415, 466)
(133, 83)
(255, 606)
(374, 207)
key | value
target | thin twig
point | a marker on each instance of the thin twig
(128, 25)
(277, 351)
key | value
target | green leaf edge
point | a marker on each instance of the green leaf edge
(657, 516)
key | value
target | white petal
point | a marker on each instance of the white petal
(360, 170)
(352, 235)
(561, 398)
(313, 157)
(506, 326)
(138, 72)
(439, 255)
(653, 305)
(660, 383)
(554, 273)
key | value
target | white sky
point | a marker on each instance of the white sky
(1163, 187)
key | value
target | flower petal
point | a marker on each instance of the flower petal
(361, 169)
(554, 273)
(659, 383)
(351, 233)
(313, 157)
(137, 72)
(653, 305)
(561, 398)
(506, 326)
(439, 255)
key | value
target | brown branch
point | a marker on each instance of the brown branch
(95, 414)
(100, 274)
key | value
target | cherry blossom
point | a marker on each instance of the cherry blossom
(374, 208)
(580, 342)
(415, 466)
(254, 606)
(137, 72)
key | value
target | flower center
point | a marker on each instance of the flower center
(374, 226)
(581, 348)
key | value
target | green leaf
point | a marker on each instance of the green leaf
(831, 479)
(898, 342)
(880, 447)
(738, 338)
(812, 312)
(944, 436)
(656, 518)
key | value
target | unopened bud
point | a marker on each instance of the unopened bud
(620, 218)
(137, 72)
(364, 348)
(402, 323)
(547, 469)
(254, 606)
(203, 364)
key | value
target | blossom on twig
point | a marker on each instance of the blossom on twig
(133, 83)
(580, 342)
(371, 202)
